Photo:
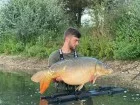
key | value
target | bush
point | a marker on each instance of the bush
(86, 46)
(31, 18)
(43, 46)
(126, 50)
(9, 44)
(127, 42)
(38, 51)
(96, 46)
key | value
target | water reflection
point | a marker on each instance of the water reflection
(79, 102)
(18, 89)
(43, 102)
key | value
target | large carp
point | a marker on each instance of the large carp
(76, 71)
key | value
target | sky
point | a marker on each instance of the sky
(2, 2)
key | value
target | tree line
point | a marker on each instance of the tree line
(36, 27)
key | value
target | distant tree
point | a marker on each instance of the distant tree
(104, 13)
(75, 8)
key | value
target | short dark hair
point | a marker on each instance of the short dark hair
(72, 31)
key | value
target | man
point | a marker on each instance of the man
(67, 51)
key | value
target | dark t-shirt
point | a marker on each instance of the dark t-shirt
(55, 57)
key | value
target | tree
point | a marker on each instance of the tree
(31, 18)
(75, 8)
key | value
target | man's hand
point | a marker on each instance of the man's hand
(58, 79)
(93, 79)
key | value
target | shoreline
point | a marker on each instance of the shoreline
(124, 71)
(19, 63)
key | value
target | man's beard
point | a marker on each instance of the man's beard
(72, 48)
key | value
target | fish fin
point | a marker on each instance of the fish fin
(80, 87)
(37, 77)
(44, 78)
(94, 79)
(44, 84)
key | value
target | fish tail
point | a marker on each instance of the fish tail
(44, 84)
(44, 78)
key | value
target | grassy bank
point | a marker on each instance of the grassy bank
(94, 45)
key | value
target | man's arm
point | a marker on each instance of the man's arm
(53, 58)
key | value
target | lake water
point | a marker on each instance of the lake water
(17, 89)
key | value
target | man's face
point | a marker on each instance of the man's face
(73, 42)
